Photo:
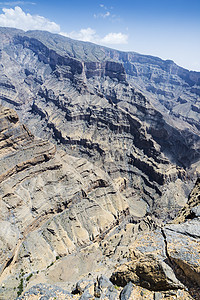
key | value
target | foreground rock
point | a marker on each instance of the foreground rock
(96, 291)
(167, 258)
(183, 247)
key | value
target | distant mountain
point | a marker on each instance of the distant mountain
(126, 128)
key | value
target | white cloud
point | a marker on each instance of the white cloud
(105, 15)
(106, 12)
(86, 35)
(19, 19)
(114, 38)
(90, 35)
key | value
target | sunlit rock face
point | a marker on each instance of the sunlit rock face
(98, 148)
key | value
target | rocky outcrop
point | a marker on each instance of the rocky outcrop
(191, 209)
(180, 240)
(148, 266)
(102, 288)
(167, 257)
(28, 151)
(111, 69)
(68, 67)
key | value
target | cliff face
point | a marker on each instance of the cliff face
(172, 89)
(126, 130)
(51, 203)
(86, 98)
(65, 222)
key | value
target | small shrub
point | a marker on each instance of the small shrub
(29, 277)
(50, 265)
(20, 287)
(21, 273)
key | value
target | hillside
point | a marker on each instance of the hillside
(108, 154)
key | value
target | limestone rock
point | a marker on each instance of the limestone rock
(111, 153)
(147, 266)
(191, 208)
(130, 291)
(111, 108)
(46, 199)
(183, 247)
(83, 285)
(43, 291)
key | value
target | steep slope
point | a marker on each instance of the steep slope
(176, 244)
(126, 130)
(173, 89)
(82, 97)
(51, 203)
(65, 223)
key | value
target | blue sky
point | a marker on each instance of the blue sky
(167, 29)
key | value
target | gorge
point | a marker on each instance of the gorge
(99, 173)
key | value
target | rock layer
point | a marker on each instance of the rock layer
(111, 153)
(87, 100)
(46, 198)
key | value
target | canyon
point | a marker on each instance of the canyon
(99, 173)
